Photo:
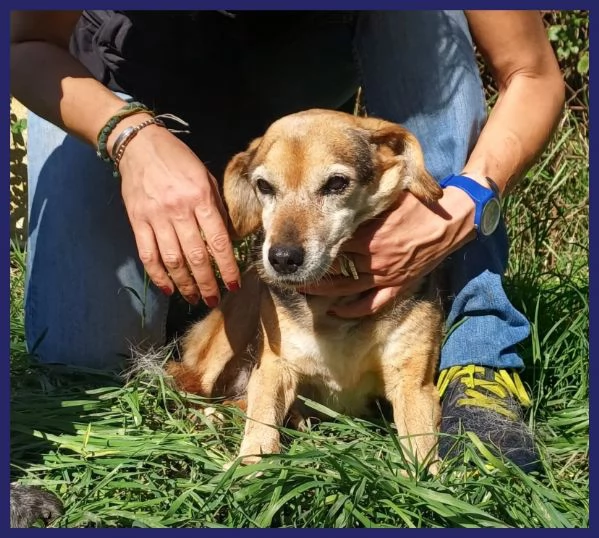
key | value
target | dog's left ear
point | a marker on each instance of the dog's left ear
(401, 160)
(243, 205)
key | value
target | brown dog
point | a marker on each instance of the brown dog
(308, 183)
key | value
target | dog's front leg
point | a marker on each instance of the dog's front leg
(416, 413)
(271, 392)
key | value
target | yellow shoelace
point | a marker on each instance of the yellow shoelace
(502, 385)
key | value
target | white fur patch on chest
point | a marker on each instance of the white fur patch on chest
(336, 365)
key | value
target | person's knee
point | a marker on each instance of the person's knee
(419, 69)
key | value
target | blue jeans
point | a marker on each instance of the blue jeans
(86, 297)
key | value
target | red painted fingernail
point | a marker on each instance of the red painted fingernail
(331, 313)
(211, 301)
(193, 299)
(166, 290)
(233, 286)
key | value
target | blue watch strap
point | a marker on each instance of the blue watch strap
(480, 194)
(476, 191)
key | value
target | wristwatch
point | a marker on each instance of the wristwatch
(487, 201)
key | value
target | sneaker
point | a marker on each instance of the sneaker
(489, 403)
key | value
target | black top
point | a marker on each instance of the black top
(195, 64)
(139, 51)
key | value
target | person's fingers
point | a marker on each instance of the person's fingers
(341, 285)
(367, 305)
(197, 260)
(358, 245)
(174, 261)
(361, 263)
(149, 256)
(219, 242)
(221, 206)
(218, 198)
(364, 240)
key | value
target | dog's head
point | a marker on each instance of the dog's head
(312, 179)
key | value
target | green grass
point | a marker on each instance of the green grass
(130, 455)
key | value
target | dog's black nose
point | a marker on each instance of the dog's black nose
(285, 259)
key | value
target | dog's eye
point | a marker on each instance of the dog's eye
(336, 184)
(265, 187)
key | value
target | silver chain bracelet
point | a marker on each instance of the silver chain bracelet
(127, 135)
(130, 132)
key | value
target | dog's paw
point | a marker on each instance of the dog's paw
(243, 460)
(250, 460)
(247, 460)
(30, 504)
(206, 416)
(297, 421)
(213, 416)
(433, 468)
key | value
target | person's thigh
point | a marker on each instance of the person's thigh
(87, 299)
(418, 68)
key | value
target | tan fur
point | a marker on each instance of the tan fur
(268, 343)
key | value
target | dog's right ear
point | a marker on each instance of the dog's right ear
(243, 205)
(401, 159)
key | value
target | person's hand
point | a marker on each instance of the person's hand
(397, 248)
(177, 216)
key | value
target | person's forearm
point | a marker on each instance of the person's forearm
(518, 128)
(57, 87)
(531, 94)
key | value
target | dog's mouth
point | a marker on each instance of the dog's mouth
(327, 267)
(303, 265)
(295, 280)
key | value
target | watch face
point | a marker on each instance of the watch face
(490, 217)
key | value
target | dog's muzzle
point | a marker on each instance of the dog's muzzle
(286, 259)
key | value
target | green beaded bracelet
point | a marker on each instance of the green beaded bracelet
(129, 109)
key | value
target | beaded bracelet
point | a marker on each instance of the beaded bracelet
(125, 137)
(129, 109)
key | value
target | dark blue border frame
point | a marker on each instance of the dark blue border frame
(305, 4)
(262, 5)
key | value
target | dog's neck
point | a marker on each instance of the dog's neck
(318, 306)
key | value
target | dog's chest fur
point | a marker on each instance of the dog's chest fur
(340, 362)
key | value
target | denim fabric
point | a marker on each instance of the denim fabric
(82, 262)
(86, 298)
(419, 69)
